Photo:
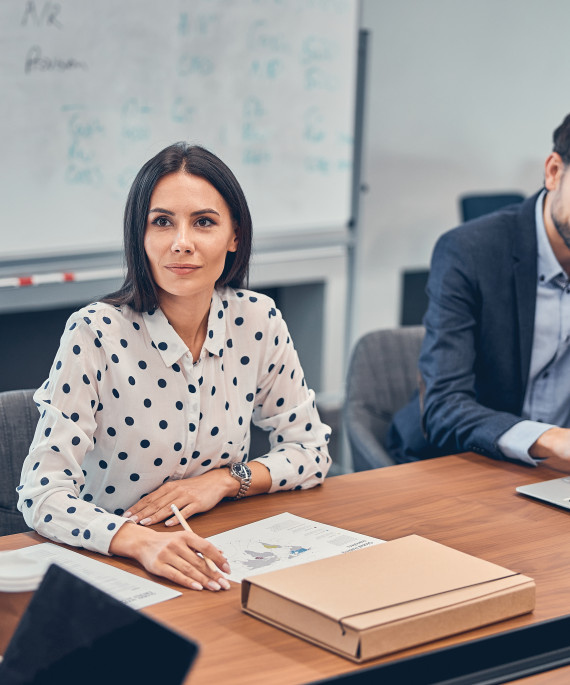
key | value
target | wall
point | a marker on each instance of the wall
(461, 97)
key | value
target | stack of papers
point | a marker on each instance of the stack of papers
(22, 570)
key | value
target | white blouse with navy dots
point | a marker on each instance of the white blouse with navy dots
(125, 409)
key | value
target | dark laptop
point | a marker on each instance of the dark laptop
(72, 632)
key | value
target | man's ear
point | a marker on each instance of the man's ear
(553, 171)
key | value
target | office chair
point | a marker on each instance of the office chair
(414, 297)
(477, 204)
(381, 378)
(18, 418)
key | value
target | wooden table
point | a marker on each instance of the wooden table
(467, 502)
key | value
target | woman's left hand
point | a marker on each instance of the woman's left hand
(190, 495)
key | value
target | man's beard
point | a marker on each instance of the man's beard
(562, 227)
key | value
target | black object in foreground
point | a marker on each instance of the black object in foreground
(71, 632)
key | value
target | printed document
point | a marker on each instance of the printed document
(26, 567)
(281, 541)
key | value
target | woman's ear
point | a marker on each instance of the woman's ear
(233, 242)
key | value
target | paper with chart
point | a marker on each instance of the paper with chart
(281, 541)
(28, 565)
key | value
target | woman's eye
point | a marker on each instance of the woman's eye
(204, 222)
(161, 221)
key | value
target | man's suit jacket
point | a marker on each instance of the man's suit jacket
(475, 358)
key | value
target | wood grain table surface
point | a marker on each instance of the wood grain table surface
(467, 502)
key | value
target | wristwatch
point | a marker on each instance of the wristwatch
(241, 472)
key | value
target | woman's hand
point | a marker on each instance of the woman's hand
(191, 496)
(173, 556)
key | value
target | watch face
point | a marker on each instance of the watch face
(241, 470)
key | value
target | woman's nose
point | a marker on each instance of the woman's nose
(183, 241)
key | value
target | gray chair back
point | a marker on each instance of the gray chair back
(18, 418)
(382, 376)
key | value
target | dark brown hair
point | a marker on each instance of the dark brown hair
(561, 140)
(139, 289)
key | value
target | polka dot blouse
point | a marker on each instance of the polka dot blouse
(126, 409)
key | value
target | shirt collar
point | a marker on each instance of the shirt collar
(163, 337)
(215, 336)
(170, 345)
(548, 266)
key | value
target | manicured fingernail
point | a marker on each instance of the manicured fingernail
(145, 522)
(196, 586)
(226, 568)
(134, 519)
(213, 585)
(224, 583)
(127, 514)
(170, 522)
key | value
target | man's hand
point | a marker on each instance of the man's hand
(555, 442)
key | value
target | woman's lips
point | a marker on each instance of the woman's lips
(182, 269)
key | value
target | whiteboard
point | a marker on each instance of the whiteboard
(91, 90)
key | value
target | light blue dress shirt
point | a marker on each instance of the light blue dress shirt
(547, 397)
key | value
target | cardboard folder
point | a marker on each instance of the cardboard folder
(389, 597)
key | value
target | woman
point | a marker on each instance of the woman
(150, 397)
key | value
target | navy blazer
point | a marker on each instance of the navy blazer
(475, 358)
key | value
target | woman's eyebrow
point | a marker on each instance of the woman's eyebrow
(161, 211)
(204, 211)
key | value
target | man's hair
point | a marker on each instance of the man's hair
(561, 140)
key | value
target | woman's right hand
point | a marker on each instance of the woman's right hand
(173, 556)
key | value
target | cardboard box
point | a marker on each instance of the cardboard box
(389, 597)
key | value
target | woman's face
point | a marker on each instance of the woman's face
(189, 231)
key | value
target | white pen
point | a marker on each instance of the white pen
(184, 523)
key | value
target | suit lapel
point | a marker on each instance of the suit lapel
(523, 240)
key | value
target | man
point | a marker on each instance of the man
(495, 362)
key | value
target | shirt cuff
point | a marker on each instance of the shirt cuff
(516, 442)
